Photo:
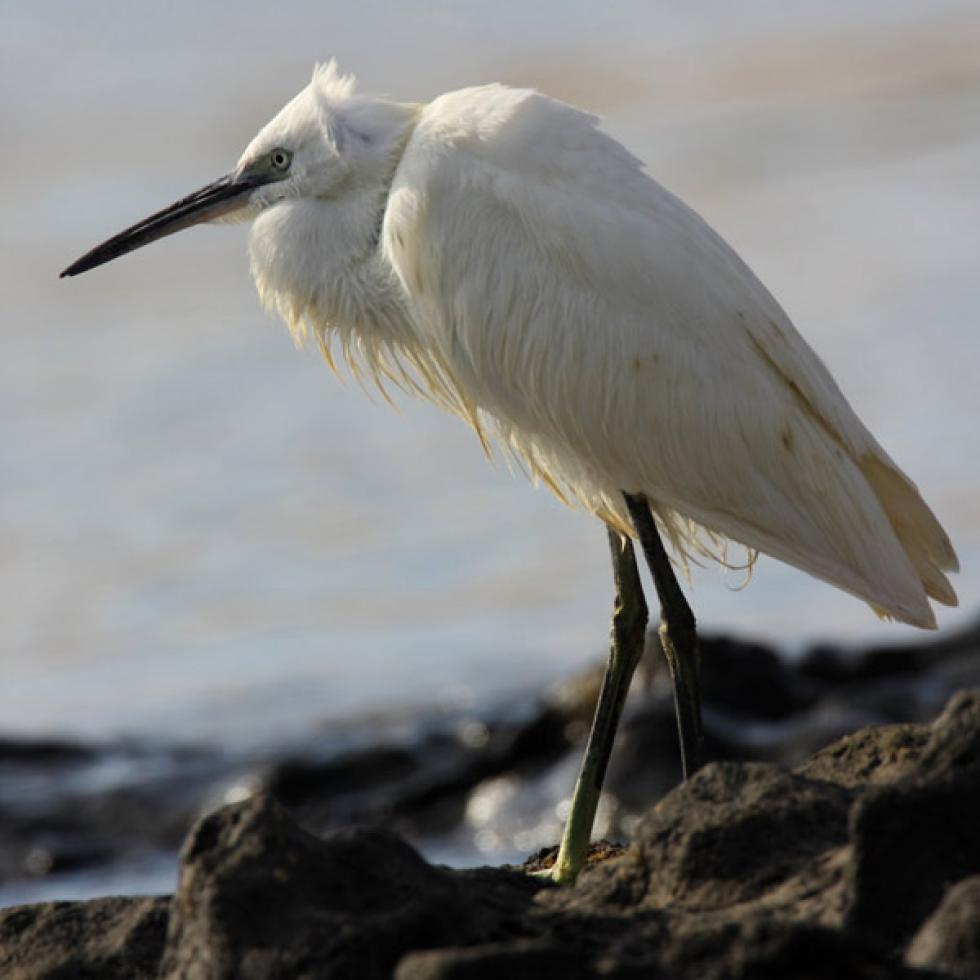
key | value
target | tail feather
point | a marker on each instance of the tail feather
(921, 536)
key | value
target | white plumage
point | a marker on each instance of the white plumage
(499, 253)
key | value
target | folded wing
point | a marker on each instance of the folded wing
(617, 343)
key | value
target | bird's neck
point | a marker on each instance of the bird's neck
(317, 262)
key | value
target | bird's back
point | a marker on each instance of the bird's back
(560, 295)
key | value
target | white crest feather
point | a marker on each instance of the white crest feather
(331, 83)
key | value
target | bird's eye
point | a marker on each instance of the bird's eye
(280, 159)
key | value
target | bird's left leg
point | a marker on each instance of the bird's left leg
(629, 627)
(678, 636)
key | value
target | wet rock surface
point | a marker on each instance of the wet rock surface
(863, 861)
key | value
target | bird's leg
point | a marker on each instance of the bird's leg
(629, 625)
(678, 637)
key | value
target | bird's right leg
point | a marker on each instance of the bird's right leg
(678, 636)
(629, 627)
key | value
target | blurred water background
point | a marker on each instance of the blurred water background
(205, 536)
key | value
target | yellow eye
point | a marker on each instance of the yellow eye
(280, 159)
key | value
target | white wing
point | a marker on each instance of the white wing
(618, 343)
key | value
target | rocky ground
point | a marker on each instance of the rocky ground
(857, 859)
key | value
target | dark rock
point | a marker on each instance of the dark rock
(294, 781)
(49, 751)
(646, 762)
(421, 786)
(517, 960)
(949, 939)
(65, 806)
(912, 838)
(260, 897)
(544, 860)
(767, 950)
(871, 756)
(954, 738)
(105, 939)
(749, 680)
(836, 666)
(734, 831)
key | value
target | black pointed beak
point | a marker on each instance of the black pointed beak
(216, 200)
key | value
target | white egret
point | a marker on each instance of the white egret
(496, 252)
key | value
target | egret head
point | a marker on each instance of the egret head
(326, 143)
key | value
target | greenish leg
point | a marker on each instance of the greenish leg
(678, 637)
(628, 635)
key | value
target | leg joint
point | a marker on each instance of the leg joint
(629, 626)
(678, 619)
